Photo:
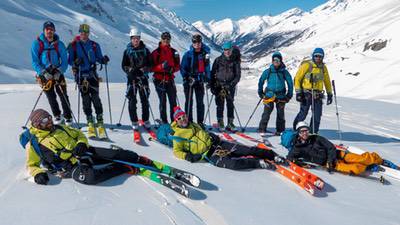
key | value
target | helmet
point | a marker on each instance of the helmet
(135, 32)
(227, 45)
(84, 28)
(302, 124)
(166, 35)
(318, 51)
(49, 24)
(196, 38)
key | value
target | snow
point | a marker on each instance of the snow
(225, 197)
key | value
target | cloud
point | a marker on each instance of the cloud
(169, 4)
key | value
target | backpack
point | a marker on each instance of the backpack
(26, 137)
(236, 55)
(287, 139)
(41, 48)
(164, 134)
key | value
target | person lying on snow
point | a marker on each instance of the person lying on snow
(65, 151)
(319, 150)
(192, 143)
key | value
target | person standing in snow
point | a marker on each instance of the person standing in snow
(309, 83)
(136, 63)
(83, 54)
(192, 143)
(49, 60)
(64, 151)
(319, 150)
(166, 62)
(225, 75)
(195, 71)
(276, 77)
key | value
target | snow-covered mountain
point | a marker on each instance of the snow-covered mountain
(360, 38)
(110, 22)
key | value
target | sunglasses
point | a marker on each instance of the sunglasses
(44, 122)
(182, 118)
(195, 42)
(318, 56)
(276, 60)
(304, 131)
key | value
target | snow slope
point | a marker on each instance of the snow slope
(226, 197)
(345, 29)
(110, 23)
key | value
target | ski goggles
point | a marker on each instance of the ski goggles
(318, 55)
(304, 130)
(182, 118)
(43, 122)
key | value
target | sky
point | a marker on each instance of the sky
(207, 10)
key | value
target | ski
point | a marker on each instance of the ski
(148, 130)
(182, 175)
(295, 178)
(245, 136)
(136, 136)
(169, 182)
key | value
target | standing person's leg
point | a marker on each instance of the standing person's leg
(280, 117)
(171, 90)
(52, 98)
(230, 104)
(132, 102)
(87, 103)
(63, 95)
(235, 163)
(162, 96)
(220, 103)
(304, 108)
(188, 100)
(94, 94)
(144, 99)
(268, 108)
(317, 114)
(199, 90)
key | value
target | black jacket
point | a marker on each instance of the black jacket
(316, 149)
(225, 71)
(135, 61)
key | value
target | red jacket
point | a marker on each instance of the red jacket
(161, 54)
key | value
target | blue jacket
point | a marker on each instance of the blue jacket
(93, 52)
(276, 82)
(187, 64)
(49, 55)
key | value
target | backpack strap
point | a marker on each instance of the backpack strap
(41, 49)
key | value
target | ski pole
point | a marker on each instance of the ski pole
(147, 97)
(234, 108)
(122, 112)
(79, 98)
(208, 109)
(337, 111)
(247, 123)
(34, 107)
(209, 117)
(190, 99)
(312, 103)
(108, 95)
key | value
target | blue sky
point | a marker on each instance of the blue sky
(206, 10)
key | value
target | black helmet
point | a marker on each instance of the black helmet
(196, 38)
(166, 35)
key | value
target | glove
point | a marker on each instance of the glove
(280, 160)
(45, 76)
(193, 157)
(261, 94)
(329, 100)
(79, 149)
(56, 74)
(330, 166)
(105, 59)
(300, 97)
(41, 178)
(78, 61)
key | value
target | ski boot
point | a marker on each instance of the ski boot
(68, 122)
(231, 127)
(221, 125)
(147, 124)
(266, 165)
(101, 130)
(58, 120)
(135, 125)
(91, 131)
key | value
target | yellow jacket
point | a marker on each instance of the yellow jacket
(192, 139)
(320, 76)
(60, 141)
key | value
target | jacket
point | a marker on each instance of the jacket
(190, 68)
(276, 82)
(78, 48)
(161, 54)
(225, 71)
(138, 59)
(320, 76)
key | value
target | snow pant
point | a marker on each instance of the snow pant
(305, 107)
(85, 172)
(144, 94)
(220, 102)
(280, 116)
(351, 163)
(166, 89)
(198, 89)
(61, 89)
(237, 157)
(89, 89)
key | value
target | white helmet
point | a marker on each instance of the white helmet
(302, 124)
(135, 32)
